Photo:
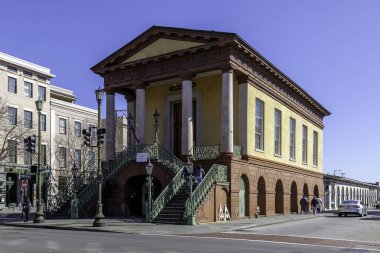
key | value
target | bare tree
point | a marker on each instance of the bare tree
(12, 133)
(69, 149)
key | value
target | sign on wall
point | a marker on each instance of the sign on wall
(141, 157)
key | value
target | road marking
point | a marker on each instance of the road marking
(15, 242)
(266, 241)
(299, 236)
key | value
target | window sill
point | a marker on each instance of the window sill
(303, 163)
(292, 160)
(277, 155)
(259, 150)
(315, 166)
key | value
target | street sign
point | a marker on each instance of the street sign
(141, 157)
(25, 177)
(24, 184)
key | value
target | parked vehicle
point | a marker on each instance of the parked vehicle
(378, 204)
(352, 207)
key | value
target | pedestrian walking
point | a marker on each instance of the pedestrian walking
(185, 175)
(303, 204)
(198, 173)
(25, 208)
(320, 205)
(314, 204)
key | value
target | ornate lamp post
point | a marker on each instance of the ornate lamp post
(149, 169)
(156, 117)
(130, 123)
(99, 217)
(39, 218)
(189, 166)
(74, 201)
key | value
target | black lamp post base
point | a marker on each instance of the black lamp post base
(99, 222)
(99, 217)
(39, 219)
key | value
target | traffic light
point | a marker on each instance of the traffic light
(33, 169)
(30, 144)
(87, 137)
(100, 136)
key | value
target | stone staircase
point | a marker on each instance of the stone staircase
(175, 208)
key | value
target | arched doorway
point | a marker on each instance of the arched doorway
(293, 198)
(279, 197)
(243, 197)
(136, 194)
(316, 191)
(306, 193)
(261, 196)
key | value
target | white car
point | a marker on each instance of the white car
(352, 207)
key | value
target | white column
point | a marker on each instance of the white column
(110, 126)
(227, 112)
(330, 189)
(187, 117)
(140, 114)
(243, 115)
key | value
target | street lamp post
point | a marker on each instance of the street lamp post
(156, 117)
(130, 122)
(189, 166)
(74, 201)
(39, 218)
(149, 170)
(99, 217)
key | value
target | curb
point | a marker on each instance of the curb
(57, 227)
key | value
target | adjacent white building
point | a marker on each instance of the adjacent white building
(62, 121)
(339, 188)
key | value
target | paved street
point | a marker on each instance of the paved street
(293, 233)
(42, 240)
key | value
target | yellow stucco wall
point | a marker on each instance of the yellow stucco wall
(210, 92)
(268, 153)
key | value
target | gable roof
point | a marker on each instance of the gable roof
(183, 39)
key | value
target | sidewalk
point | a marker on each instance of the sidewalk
(137, 226)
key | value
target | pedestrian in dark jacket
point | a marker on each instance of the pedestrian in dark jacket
(25, 208)
(198, 173)
(185, 174)
(314, 204)
(303, 204)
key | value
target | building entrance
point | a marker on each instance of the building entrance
(177, 127)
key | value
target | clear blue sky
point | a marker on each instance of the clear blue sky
(330, 48)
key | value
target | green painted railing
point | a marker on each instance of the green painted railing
(237, 151)
(206, 152)
(209, 152)
(128, 155)
(166, 195)
(217, 174)
(66, 194)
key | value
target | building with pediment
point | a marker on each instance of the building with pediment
(222, 105)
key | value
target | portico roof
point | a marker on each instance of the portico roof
(162, 43)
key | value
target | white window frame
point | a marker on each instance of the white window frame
(277, 132)
(304, 144)
(59, 125)
(259, 125)
(315, 148)
(292, 139)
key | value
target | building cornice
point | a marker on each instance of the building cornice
(25, 64)
(65, 105)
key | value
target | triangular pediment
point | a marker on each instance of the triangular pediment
(162, 46)
(158, 41)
